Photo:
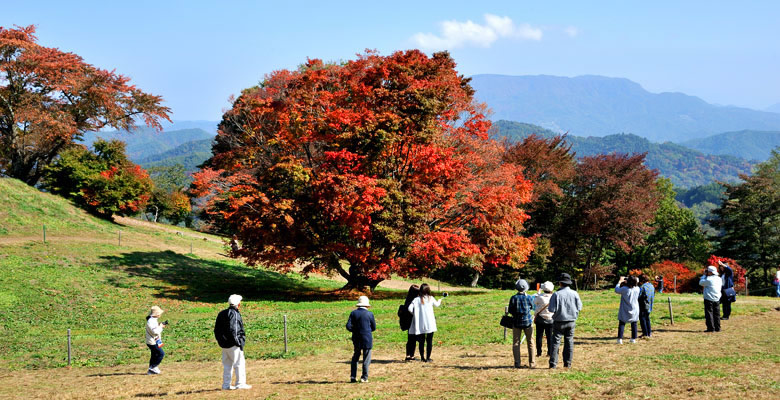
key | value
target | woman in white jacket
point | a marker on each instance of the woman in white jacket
(423, 321)
(154, 339)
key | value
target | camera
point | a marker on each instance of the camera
(444, 294)
(166, 322)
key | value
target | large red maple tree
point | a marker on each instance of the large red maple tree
(50, 98)
(377, 166)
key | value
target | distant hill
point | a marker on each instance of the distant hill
(145, 142)
(190, 155)
(683, 166)
(750, 145)
(775, 108)
(597, 106)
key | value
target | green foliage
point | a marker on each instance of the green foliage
(747, 144)
(104, 182)
(144, 143)
(189, 155)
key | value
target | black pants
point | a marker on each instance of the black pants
(422, 340)
(726, 306)
(157, 355)
(411, 341)
(712, 315)
(622, 327)
(644, 322)
(543, 329)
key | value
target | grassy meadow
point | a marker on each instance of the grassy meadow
(82, 279)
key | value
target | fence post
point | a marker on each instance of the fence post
(190, 247)
(285, 333)
(44, 233)
(506, 310)
(746, 285)
(68, 347)
(675, 283)
(671, 315)
(120, 238)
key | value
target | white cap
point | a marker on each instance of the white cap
(712, 269)
(363, 302)
(234, 299)
(548, 286)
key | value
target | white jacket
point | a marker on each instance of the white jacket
(423, 320)
(540, 301)
(153, 331)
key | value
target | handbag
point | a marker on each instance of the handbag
(159, 342)
(507, 321)
(731, 294)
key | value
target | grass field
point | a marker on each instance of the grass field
(82, 280)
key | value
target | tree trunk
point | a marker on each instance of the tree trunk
(475, 279)
(356, 280)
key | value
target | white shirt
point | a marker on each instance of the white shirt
(153, 331)
(423, 320)
(540, 301)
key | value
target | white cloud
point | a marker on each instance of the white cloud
(457, 34)
(572, 31)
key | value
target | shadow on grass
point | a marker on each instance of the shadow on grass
(679, 330)
(183, 277)
(373, 361)
(474, 367)
(306, 382)
(118, 374)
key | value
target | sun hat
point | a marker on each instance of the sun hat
(564, 278)
(155, 311)
(713, 269)
(362, 302)
(234, 299)
(521, 285)
(548, 286)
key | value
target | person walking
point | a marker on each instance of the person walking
(405, 320)
(565, 305)
(726, 296)
(361, 323)
(154, 339)
(629, 306)
(646, 299)
(543, 317)
(423, 320)
(711, 283)
(521, 308)
(229, 332)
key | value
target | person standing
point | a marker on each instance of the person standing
(154, 339)
(646, 299)
(229, 332)
(543, 317)
(423, 320)
(405, 320)
(726, 296)
(776, 281)
(629, 306)
(660, 281)
(361, 323)
(521, 307)
(711, 283)
(565, 305)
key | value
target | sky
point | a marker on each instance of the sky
(196, 54)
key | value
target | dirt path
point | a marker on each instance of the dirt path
(679, 362)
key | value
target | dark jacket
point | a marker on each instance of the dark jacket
(229, 328)
(404, 316)
(361, 323)
(728, 278)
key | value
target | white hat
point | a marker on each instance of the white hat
(155, 311)
(234, 299)
(713, 269)
(362, 302)
(548, 286)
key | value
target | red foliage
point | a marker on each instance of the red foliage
(383, 161)
(739, 272)
(687, 280)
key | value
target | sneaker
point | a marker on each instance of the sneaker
(228, 387)
(364, 380)
(620, 341)
(633, 340)
(157, 370)
(243, 386)
(352, 380)
(153, 371)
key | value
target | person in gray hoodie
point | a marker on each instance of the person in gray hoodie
(565, 304)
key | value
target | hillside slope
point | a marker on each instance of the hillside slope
(190, 155)
(750, 145)
(145, 142)
(597, 106)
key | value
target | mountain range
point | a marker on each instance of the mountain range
(750, 145)
(598, 106)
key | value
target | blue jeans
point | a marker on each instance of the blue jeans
(622, 327)
(157, 355)
(644, 322)
(565, 330)
(777, 290)
(354, 363)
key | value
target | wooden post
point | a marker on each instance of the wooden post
(285, 333)
(190, 247)
(120, 238)
(44, 233)
(69, 347)
(595, 281)
(506, 311)
(671, 315)
(746, 285)
(675, 283)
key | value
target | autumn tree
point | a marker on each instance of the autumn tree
(610, 204)
(376, 166)
(102, 181)
(749, 218)
(169, 197)
(50, 98)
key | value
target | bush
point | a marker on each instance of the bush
(739, 272)
(686, 279)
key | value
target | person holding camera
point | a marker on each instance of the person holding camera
(711, 283)
(229, 332)
(646, 299)
(629, 306)
(726, 296)
(543, 317)
(521, 306)
(423, 320)
(154, 339)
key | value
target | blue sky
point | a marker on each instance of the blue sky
(197, 53)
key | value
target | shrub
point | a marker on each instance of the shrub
(739, 272)
(669, 270)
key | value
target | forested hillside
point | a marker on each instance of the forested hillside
(145, 142)
(750, 145)
(189, 155)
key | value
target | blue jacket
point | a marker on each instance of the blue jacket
(361, 323)
(727, 277)
(646, 297)
(521, 306)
